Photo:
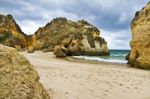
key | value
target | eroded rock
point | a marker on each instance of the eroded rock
(79, 38)
(18, 78)
(60, 51)
(10, 32)
(30, 49)
(140, 44)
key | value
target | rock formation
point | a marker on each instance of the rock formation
(18, 78)
(140, 44)
(77, 38)
(10, 33)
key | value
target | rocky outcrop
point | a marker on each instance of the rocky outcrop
(77, 38)
(140, 44)
(60, 51)
(18, 78)
(30, 49)
(10, 32)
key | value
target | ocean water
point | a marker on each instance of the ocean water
(116, 56)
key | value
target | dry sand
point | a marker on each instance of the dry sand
(77, 80)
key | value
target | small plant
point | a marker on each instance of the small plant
(2, 38)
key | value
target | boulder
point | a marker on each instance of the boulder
(18, 48)
(38, 45)
(140, 44)
(30, 49)
(18, 78)
(60, 51)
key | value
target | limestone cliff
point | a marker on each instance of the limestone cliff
(78, 38)
(140, 44)
(10, 32)
(18, 78)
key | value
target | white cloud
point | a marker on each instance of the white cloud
(113, 16)
(124, 17)
(29, 27)
(117, 40)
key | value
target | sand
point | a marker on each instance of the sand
(81, 80)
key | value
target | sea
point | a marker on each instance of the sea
(116, 56)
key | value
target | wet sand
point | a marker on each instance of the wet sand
(68, 79)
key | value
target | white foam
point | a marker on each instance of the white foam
(101, 59)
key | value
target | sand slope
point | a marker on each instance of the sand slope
(75, 80)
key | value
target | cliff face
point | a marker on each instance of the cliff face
(18, 78)
(76, 37)
(10, 32)
(140, 45)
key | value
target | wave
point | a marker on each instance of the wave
(102, 59)
(116, 56)
(119, 54)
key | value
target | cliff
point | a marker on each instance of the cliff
(10, 32)
(78, 38)
(18, 78)
(140, 44)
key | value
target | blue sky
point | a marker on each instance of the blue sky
(112, 17)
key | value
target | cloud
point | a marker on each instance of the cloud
(117, 40)
(113, 16)
(29, 26)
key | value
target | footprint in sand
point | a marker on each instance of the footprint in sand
(135, 87)
(106, 90)
(105, 94)
(66, 92)
(128, 87)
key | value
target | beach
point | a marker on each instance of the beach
(66, 79)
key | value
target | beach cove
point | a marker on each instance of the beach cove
(66, 79)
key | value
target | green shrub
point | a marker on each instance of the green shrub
(2, 38)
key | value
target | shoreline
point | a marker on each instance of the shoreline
(65, 78)
(74, 59)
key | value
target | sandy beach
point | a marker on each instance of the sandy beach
(80, 80)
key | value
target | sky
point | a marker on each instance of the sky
(112, 17)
